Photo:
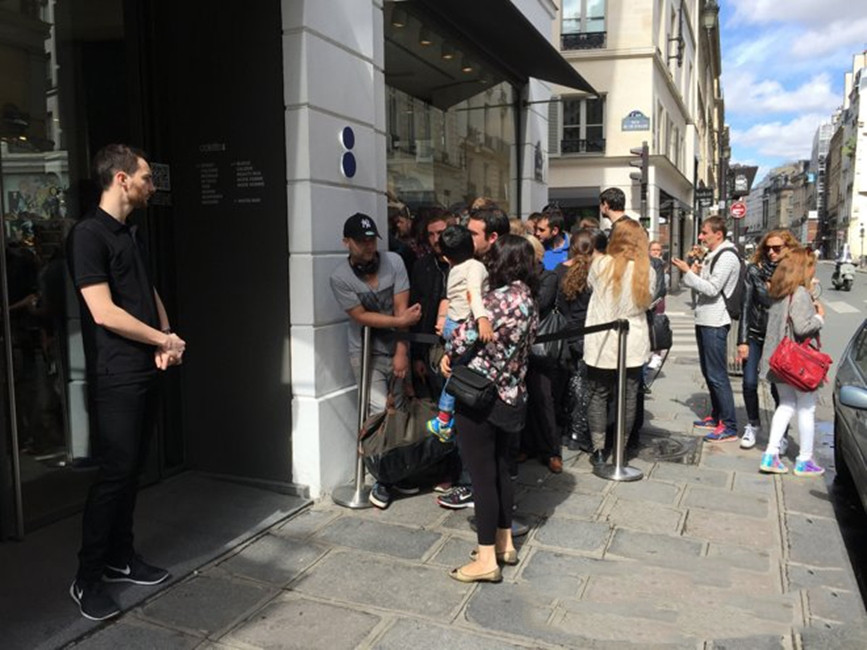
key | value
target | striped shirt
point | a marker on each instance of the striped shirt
(710, 307)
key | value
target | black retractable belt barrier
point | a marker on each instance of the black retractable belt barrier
(356, 496)
(619, 470)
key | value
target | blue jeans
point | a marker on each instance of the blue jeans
(712, 356)
(447, 400)
(751, 380)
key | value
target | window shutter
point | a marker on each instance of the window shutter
(555, 129)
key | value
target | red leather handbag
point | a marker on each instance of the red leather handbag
(801, 365)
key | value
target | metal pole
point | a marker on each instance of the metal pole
(619, 471)
(14, 451)
(356, 496)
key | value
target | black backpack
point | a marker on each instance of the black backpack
(734, 301)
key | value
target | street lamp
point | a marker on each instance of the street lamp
(710, 15)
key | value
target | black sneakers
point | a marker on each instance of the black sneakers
(136, 571)
(92, 601)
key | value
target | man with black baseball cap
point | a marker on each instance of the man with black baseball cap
(373, 288)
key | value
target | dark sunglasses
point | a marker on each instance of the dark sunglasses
(775, 249)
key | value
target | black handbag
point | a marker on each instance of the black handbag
(395, 443)
(471, 388)
(552, 352)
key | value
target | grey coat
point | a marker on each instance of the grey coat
(805, 323)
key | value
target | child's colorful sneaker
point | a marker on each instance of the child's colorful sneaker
(442, 432)
(771, 464)
(808, 468)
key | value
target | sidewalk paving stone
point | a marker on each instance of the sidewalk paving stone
(653, 549)
(648, 517)
(307, 522)
(374, 581)
(815, 541)
(274, 559)
(805, 577)
(293, 622)
(648, 490)
(834, 637)
(728, 528)
(207, 603)
(835, 604)
(757, 642)
(725, 501)
(807, 496)
(730, 457)
(573, 534)
(690, 474)
(130, 633)
(754, 483)
(420, 635)
(389, 539)
(545, 503)
(752, 559)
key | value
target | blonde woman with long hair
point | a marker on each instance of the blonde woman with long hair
(790, 291)
(622, 281)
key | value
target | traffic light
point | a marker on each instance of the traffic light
(641, 163)
(643, 154)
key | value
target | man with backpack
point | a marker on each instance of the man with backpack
(718, 283)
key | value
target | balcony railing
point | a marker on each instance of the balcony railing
(583, 41)
(596, 145)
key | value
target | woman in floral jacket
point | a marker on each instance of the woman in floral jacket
(485, 439)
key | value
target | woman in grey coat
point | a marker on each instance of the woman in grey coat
(792, 301)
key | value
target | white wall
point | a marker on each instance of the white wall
(333, 77)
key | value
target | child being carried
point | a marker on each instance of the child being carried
(467, 283)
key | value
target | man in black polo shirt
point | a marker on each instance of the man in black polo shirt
(127, 341)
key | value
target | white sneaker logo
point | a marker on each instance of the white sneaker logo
(79, 592)
(124, 571)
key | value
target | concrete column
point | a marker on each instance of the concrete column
(333, 78)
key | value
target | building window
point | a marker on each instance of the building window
(583, 24)
(583, 125)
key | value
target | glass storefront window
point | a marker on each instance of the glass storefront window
(443, 158)
(62, 95)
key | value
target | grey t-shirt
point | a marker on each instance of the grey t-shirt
(351, 291)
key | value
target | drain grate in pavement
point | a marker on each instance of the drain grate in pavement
(668, 448)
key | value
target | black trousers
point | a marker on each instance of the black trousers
(125, 413)
(545, 390)
(487, 451)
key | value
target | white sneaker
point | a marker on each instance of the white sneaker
(748, 441)
(655, 362)
(784, 445)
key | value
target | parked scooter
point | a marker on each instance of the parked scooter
(844, 276)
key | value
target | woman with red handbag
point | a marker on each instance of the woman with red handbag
(796, 314)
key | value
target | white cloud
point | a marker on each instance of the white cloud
(789, 140)
(807, 12)
(831, 38)
(746, 95)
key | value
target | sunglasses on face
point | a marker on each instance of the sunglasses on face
(775, 249)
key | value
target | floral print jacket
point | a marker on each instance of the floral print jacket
(504, 359)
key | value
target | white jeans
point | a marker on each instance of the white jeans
(791, 401)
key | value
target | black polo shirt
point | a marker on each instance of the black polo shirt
(101, 249)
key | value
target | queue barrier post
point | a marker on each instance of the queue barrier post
(619, 471)
(356, 496)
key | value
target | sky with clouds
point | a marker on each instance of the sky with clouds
(783, 67)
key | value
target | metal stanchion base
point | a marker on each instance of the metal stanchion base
(612, 473)
(349, 497)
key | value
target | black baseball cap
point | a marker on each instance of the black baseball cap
(360, 226)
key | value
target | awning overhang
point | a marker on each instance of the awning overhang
(505, 37)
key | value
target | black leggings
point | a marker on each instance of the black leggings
(485, 451)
